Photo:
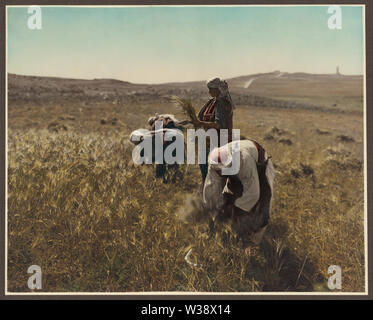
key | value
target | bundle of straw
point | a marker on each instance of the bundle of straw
(186, 106)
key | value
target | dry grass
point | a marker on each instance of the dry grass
(93, 221)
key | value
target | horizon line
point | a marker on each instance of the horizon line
(175, 82)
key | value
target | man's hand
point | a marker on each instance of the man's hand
(205, 124)
(196, 123)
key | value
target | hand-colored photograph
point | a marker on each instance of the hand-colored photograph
(186, 149)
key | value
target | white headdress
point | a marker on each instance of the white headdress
(222, 85)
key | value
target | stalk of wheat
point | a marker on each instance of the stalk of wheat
(186, 106)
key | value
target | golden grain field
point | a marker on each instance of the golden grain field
(95, 222)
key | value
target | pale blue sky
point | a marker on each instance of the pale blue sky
(163, 44)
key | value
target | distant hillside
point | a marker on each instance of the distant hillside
(274, 89)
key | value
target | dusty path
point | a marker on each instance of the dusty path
(248, 83)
